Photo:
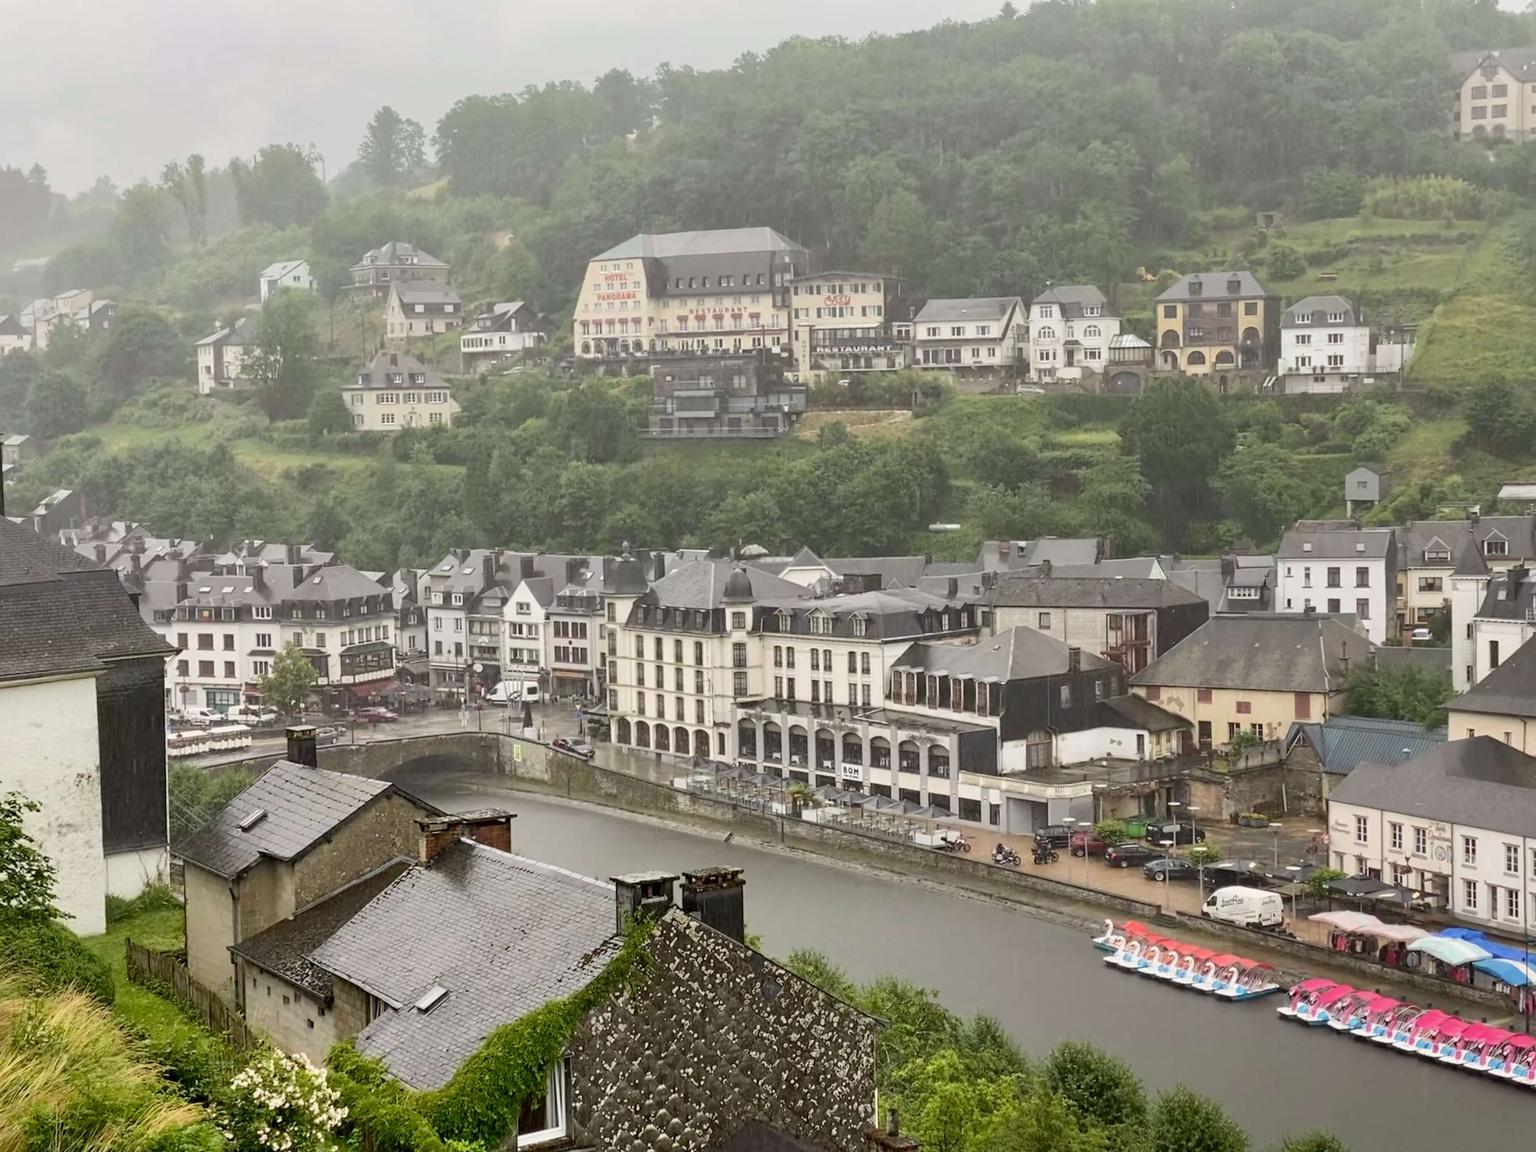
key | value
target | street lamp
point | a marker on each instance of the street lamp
(1069, 821)
(1277, 829)
(1295, 871)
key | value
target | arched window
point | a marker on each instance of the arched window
(1092, 332)
(586, 347)
(1196, 358)
(1046, 332)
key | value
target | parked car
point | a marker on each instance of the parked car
(1180, 832)
(254, 716)
(1087, 844)
(1055, 835)
(376, 715)
(1129, 853)
(1167, 868)
(200, 717)
(577, 748)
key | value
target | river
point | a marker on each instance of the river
(1044, 982)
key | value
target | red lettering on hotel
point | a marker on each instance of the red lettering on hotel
(837, 301)
(617, 296)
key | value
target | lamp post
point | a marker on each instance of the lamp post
(1167, 856)
(1295, 871)
(1070, 821)
(1277, 829)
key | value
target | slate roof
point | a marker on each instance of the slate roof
(892, 613)
(1425, 659)
(971, 309)
(541, 588)
(1073, 298)
(1481, 782)
(1213, 286)
(1313, 312)
(284, 948)
(502, 934)
(1262, 652)
(714, 242)
(1136, 712)
(1343, 742)
(395, 252)
(904, 571)
(432, 295)
(60, 613)
(1332, 542)
(280, 269)
(302, 805)
(1510, 596)
(1025, 590)
(1521, 61)
(1509, 690)
(1013, 654)
(701, 584)
(1519, 533)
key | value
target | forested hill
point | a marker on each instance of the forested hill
(1063, 142)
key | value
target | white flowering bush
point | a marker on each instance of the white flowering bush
(281, 1103)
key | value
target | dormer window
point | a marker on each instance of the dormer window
(1306, 546)
(821, 624)
(781, 620)
(1196, 288)
(1495, 546)
(458, 598)
(1234, 286)
(1437, 556)
(860, 625)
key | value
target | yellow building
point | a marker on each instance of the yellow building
(1218, 324)
(845, 322)
(1496, 93)
(1254, 674)
(724, 291)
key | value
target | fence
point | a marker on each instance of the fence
(163, 971)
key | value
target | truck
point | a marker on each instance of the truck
(1248, 907)
(514, 692)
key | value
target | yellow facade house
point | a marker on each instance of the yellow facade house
(1218, 324)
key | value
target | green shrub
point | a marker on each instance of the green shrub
(48, 957)
(1445, 198)
(154, 898)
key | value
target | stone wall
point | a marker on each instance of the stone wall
(713, 1036)
(1280, 787)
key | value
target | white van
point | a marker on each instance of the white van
(1250, 907)
(514, 692)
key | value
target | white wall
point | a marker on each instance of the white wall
(1306, 348)
(1505, 635)
(51, 754)
(1096, 743)
(129, 873)
(1292, 593)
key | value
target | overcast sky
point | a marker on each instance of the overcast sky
(90, 86)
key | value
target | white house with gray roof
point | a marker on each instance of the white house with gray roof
(1338, 568)
(981, 335)
(1070, 328)
(294, 274)
(416, 311)
(1325, 345)
(397, 262)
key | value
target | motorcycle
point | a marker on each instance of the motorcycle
(1045, 854)
(1003, 854)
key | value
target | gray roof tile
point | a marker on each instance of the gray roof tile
(1263, 652)
(972, 308)
(302, 805)
(1343, 742)
(1014, 654)
(503, 935)
(715, 242)
(1509, 690)
(1481, 782)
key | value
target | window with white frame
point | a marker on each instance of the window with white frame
(1421, 841)
(1397, 837)
(1512, 903)
(1469, 895)
(1469, 849)
(1512, 859)
(1362, 830)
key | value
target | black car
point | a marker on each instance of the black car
(1129, 853)
(1054, 835)
(1168, 868)
(1180, 832)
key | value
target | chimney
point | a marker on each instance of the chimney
(394, 360)
(1074, 659)
(258, 577)
(101, 553)
(525, 567)
(294, 553)
(1004, 548)
(298, 574)
(952, 587)
(573, 567)
(489, 826)
(488, 568)
(1472, 518)
(1107, 548)
(181, 591)
(183, 568)
(1045, 567)
(301, 745)
(135, 564)
(641, 894)
(889, 1138)
(715, 897)
(1228, 569)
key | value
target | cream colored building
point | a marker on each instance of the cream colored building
(221, 358)
(416, 311)
(1255, 674)
(1217, 324)
(1436, 550)
(398, 391)
(844, 322)
(1496, 94)
(721, 291)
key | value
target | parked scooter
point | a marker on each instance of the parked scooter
(1003, 854)
(1045, 854)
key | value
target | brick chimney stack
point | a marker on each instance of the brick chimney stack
(716, 897)
(489, 826)
(302, 746)
(641, 894)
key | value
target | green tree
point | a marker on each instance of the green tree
(1183, 1121)
(138, 239)
(188, 186)
(1313, 1142)
(1180, 434)
(1100, 1086)
(392, 149)
(278, 186)
(1266, 488)
(1318, 882)
(56, 405)
(282, 364)
(290, 682)
(141, 346)
(1046, 1121)
(1285, 263)
(197, 796)
(1399, 692)
(27, 876)
(328, 415)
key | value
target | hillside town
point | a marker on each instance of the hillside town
(677, 613)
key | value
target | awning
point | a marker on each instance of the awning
(1448, 950)
(371, 646)
(1347, 921)
(1515, 973)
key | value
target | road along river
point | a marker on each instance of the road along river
(1043, 981)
